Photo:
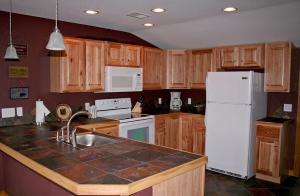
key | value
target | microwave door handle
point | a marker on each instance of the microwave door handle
(134, 82)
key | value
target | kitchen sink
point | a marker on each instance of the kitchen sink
(93, 140)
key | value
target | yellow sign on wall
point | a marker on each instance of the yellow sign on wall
(18, 72)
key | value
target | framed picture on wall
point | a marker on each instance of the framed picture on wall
(19, 93)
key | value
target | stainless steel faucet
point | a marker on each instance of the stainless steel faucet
(74, 130)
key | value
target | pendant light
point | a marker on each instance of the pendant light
(11, 52)
(56, 40)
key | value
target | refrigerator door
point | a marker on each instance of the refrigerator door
(229, 87)
(227, 138)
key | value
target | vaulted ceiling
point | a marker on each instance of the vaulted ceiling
(186, 24)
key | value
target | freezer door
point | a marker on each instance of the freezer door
(229, 87)
(227, 137)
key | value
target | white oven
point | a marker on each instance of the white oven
(123, 79)
(134, 126)
(140, 130)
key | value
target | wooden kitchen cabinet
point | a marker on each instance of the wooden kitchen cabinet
(272, 161)
(243, 56)
(198, 129)
(200, 62)
(167, 130)
(278, 67)
(153, 65)
(177, 69)
(80, 68)
(118, 54)
(110, 130)
(67, 68)
(94, 65)
(181, 131)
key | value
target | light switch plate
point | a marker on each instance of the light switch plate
(19, 111)
(189, 101)
(8, 112)
(287, 107)
(159, 101)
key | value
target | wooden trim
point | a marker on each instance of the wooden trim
(297, 139)
(87, 189)
(269, 178)
(166, 175)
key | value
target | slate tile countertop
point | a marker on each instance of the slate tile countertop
(119, 162)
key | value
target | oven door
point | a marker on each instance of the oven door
(140, 130)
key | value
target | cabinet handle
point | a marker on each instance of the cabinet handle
(108, 133)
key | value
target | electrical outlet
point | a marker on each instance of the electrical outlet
(159, 100)
(287, 107)
(19, 111)
(8, 112)
(189, 101)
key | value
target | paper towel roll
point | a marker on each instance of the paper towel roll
(40, 112)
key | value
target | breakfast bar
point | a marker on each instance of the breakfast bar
(31, 159)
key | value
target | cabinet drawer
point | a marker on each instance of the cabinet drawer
(107, 130)
(267, 131)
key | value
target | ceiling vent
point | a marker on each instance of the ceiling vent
(138, 15)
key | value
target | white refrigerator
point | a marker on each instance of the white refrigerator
(234, 101)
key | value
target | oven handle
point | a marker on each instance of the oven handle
(137, 122)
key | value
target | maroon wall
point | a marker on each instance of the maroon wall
(35, 32)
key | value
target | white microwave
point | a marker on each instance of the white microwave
(123, 79)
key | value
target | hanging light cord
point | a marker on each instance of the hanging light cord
(56, 16)
(10, 36)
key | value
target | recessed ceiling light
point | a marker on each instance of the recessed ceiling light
(230, 9)
(158, 10)
(92, 12)
(148, 25)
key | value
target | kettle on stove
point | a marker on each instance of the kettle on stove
(175, 102)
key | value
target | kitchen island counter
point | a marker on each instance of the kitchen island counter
(122, 167)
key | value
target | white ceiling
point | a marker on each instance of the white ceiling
(186, 24)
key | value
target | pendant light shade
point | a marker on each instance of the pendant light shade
(11, 52)
(56, 40)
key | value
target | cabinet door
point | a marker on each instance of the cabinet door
(160, 131)
(229, 57)
(198, 130)
(152, 68)
(172, 132)
(114, 53)
(72, 66)
(132, 55)
(187, 134)
(252, 55)
(94, 63)
(278, 67)
(200, 63)
(267, 156)
(177, 69)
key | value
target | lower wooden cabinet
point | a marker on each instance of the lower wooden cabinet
(272, 150)
(181, 131)
(113, 130)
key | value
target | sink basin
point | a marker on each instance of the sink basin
(93, 140)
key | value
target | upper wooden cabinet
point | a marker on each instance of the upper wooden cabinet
(114, 53)
(94, 65)
(79, 68)
(118, 54)
(244, 56)
(278, 67)
(153, 66)
(200, 62)
(176, 69)
(67, 67)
